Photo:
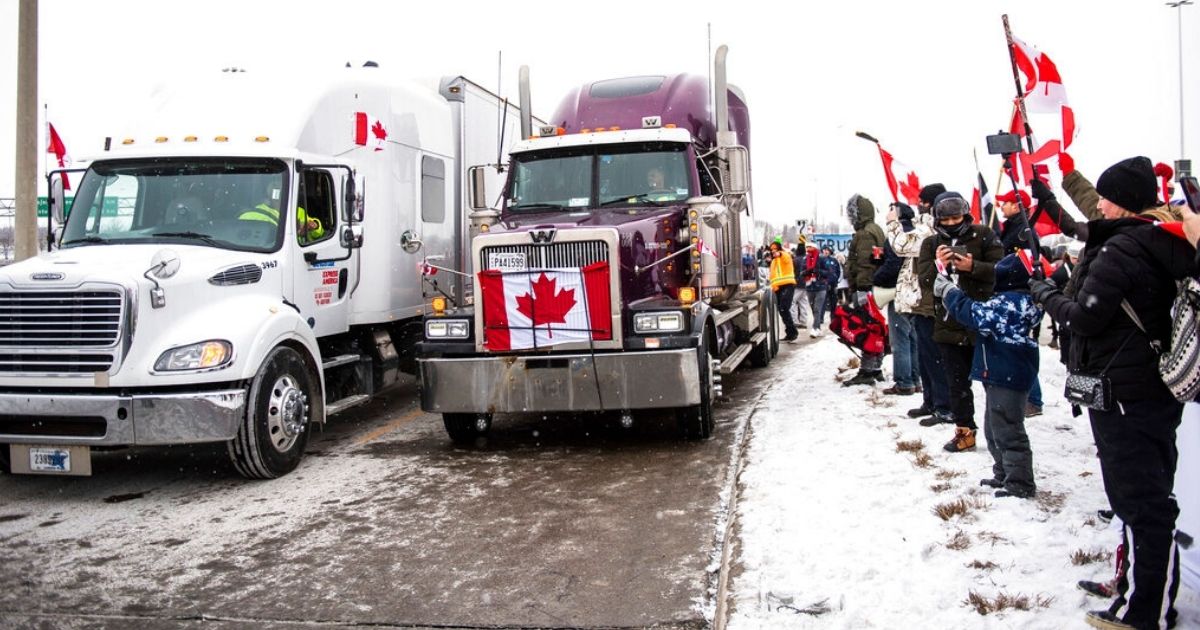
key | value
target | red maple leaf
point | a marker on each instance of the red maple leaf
(911, 188)
(546, 304)
(378, 131)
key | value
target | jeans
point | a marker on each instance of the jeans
(816, 299)
(1035, 393)
(936, 393)
(785, 294)
(906, 366)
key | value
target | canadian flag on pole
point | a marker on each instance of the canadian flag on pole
(901, 180)
(55, 145)
(1044, 93)
(546, 307)
(369, 131)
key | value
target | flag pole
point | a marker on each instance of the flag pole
(1020, 103)
(1036, 253)
(886, 172)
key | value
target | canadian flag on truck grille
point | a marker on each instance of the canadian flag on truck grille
(545, 307)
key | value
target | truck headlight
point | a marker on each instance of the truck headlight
(206, 355)
(447, 329)
(658, 322)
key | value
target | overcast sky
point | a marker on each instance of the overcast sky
(930, 79)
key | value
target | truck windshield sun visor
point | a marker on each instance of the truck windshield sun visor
(218, 202)
(610, 176)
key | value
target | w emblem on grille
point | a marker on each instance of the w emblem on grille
(542, 236)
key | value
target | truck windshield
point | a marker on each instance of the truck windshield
(609, 176)
(228, 203)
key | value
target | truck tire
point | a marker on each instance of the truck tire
(464, 428)
(696, 422)
(274, 432)
(763, 353)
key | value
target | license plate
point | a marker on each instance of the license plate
(506, 261)
(49, 459)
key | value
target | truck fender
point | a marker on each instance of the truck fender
(286, 327)
(701, 317)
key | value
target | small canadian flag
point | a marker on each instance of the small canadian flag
(369, 131)
(546, 307)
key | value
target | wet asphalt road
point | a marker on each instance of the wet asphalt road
(561, 521)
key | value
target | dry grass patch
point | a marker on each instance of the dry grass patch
(1004, 601)
(993, 538)
(982, 565)
(891, 424)
(1085, 474)
(959, 541)
(961, 506)
(923, 460)
(1082, 557)
(1051, 501)
(946, 474)
(1089, 522)
(940, 487)
(909, 446)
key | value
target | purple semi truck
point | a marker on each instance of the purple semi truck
(611, 276)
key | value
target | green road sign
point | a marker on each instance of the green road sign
(110, 206)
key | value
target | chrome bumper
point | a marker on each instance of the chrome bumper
(121, 420)
(515, 384)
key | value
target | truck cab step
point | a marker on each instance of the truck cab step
(339, 406)
(740, 353)
(338, 361)
(724, 316)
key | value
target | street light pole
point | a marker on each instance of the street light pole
(1178, 6)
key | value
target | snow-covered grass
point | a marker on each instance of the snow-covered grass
(852, 516)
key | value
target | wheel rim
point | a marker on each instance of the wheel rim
(287, 413)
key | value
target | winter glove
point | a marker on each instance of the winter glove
(1065, 163)
(1042, 290)
(941, 284)
(1042, 192)
(860, 298)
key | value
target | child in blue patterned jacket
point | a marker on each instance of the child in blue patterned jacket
(1006, 362)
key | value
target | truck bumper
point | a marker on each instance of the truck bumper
(121, 420)
(516, 384)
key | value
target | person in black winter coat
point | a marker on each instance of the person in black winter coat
(1129, 262)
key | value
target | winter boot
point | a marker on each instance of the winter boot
(896, 390)
(992, 483)
(1032, 410)
(864, 377)
(964, 440)
(938, 417)
(920, 412)
(1106, 620)
(1020, 494)
(1099, 589)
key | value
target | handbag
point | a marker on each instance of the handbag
(1093, 391)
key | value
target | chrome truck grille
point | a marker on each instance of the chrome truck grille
(568, 254)
(60, 331)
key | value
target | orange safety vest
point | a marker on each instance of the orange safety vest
(782, 272)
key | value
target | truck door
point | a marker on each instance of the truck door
(436, 221)
(325, 272)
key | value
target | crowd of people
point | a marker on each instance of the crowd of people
(965, 302)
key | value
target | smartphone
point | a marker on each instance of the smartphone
(958, 250)
(1191, 192)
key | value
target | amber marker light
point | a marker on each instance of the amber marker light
(221, 139)
(160, 139)
(687, 295)
(189, 138)
(262, 139)
(439, 305)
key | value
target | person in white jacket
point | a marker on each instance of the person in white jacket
(904, 234)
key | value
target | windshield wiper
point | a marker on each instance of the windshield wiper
(88, 239)
(536, 206)
(632, 199)
(193, 235)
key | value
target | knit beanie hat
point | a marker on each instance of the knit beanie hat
(930, 193)
(1130, 184)
(1011, 274)
(904, 214)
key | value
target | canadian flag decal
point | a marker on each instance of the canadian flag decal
(545, 307)
(369, 131)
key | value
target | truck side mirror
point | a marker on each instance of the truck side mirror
(351, 201)
(739, 170)
(351, 236)
(57, 201)
(478, 188)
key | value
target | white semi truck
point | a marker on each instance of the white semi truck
(239, 265)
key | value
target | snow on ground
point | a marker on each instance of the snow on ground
(837, 525)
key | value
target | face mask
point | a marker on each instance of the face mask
(953, 231)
